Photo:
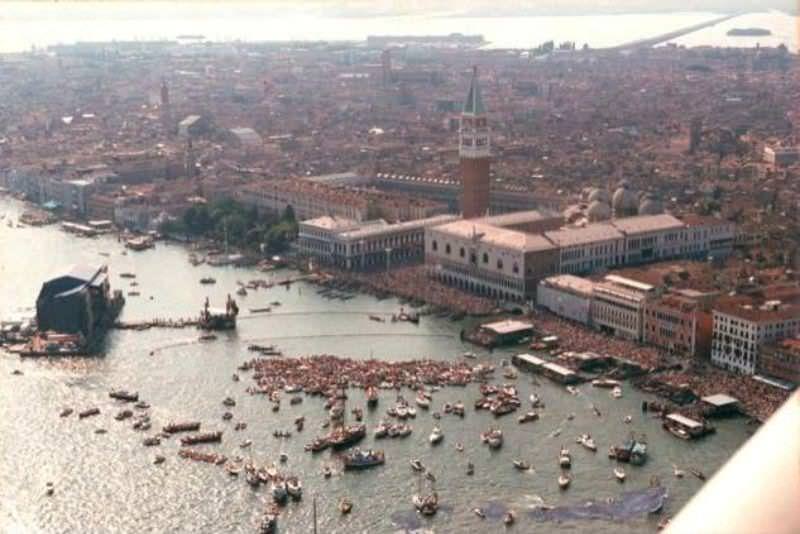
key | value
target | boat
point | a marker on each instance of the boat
(493, 438)
(422, 402)
(469, 355)
(522, 465)
(268, 523)
(633, 451)
(173, 428)
(359, 459)
(572, 390)
(358, 413)
(88, 413)
(208, 437)
(246, 443)
(345, 505)
(159, 459)
(677, 472)
(436, 436)
(327, 471)
(458, 409)
(664, 523)
(345, 436)
(616, 392)
(283, 457)
(127, 275)
(382, 430)
(619, 473)
(605, 383)
(508, 518)
(459, 447)
(564, 458)
(627, 420)
(65, 412)
(426, 505)
(319, 444)
(294, 488)
(377, 318)
(207, 280)
(123, 414)
(528, 416)
(279, 492)
(372, 397)
(124, 395)
(242, 292)
(478, 512)
(563, 481)
(416, 465)
(696, 472)
(151, 441)
(587, 441)
(229, 401)
(470, 468)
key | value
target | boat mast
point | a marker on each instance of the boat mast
(314, 509)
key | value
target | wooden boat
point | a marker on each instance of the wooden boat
(528, 416)
(345, 506)
(88, 413)
(208, 437)
(190, 426)
(124, 395)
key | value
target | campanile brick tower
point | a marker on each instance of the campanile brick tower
(474, 151)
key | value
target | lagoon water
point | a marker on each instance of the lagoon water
(107, 482)
(27, 24)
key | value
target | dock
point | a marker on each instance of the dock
(551, 370)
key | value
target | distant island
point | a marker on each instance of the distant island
(749, 32)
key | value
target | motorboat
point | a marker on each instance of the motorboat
(529, 416)
(228, 401)
(535, 400)
(627, 419)
(619, 473)
(278, 491)
(359, 459)
(478, 512)
(426, 505)
(430, 476)
(564, 458)
(493, 438)
(697, 473)
(458, 409)
(283, 457)
(327, 471)
(469, 355)
(294, 488)
(679, 473)
(587, 441)
(246, 443)
(616, 392)
(422, 402)
(605, 383)
(572, 390)
(372, 397)
(522, 465)
(508, 518)
(416, 465)
(345, 505)
(159, 459)
(207, 280)
(382, 430)
(268, 523)
(436, 436)
(563, 481)
(459, 447)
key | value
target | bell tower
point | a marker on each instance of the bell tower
(474, 151)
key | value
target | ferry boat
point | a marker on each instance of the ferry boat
(359, 459)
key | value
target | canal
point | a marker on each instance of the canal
(108, 483)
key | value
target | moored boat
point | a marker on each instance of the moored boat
(359, 459)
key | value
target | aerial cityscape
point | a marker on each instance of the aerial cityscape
(404, 282)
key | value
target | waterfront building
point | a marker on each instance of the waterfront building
(490, 260)
(780, 360)
(74, 302)
(567, 296)
(679, 321)
(474, 152)
(351, 244)
(743, 323)
(618, 306)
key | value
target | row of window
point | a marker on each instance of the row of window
(473, 258)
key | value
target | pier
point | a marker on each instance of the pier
(658, 39)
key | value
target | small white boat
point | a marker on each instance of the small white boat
(436, 436)
(677, 472)
(479, 513)
(572, 390)
(619, 473)
(628, 419)
(587, 441)
(422, 402)
(522, 465)
(509, 518)
(246, 443)
(563, 481)
(616, 392)
(459, 447)
(294, 488)
(469, 355)
(564, 459)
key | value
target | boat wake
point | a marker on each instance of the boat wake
(628, 505)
